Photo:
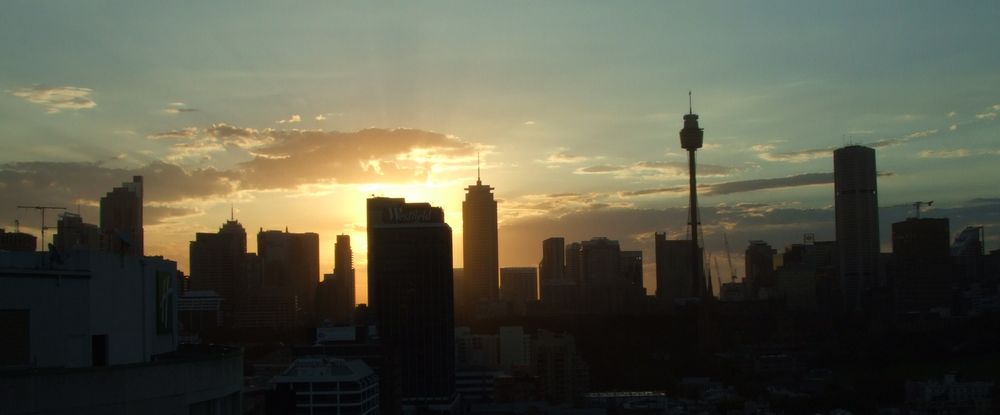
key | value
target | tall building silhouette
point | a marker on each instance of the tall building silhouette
(290, 261)
(553, 262)
(218, 263)
(856, 205)
(692, 138)
(121, 219)
(673, 269)
(479, 242)
(759, 269)
(73, 234)
(922, 264)
(410, 293)
(335, 297)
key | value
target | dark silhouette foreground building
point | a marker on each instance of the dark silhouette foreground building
(856, 205)
(410, 292)
(121, 219)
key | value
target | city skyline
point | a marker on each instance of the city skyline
(577, 144)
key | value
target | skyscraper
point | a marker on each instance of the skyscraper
(335, 297)
(291, 261)
(922, 264)
(218, 263)
(410, 293)
(759, 268)
(121, 219)
(856, 205)
(479, 242)
(553, 259)
(73, 234)
(673, 269)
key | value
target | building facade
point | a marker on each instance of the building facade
(856, 207)
(480, 248)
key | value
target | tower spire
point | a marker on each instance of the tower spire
(478, 171)
(690, 103)
(232, 212)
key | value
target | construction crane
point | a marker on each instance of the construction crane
(916, 207)
(729, 256)
(718, 275)
(42, 209)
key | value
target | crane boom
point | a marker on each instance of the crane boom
(729, 256)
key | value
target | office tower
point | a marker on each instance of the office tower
(518, 284)
(574, 262)
(856, 206)
(631, 268)
(121, 219)
(673, 269)
(553, 260)
(759, 268)
(410, 293)
(73, 234)
(557, 289)
(921, 270)
(335, 296)
(479, 242)
(692, 137)
(600, 260)
(218, 264)
(290, 261)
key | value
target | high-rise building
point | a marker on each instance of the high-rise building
(574, 262)
(73, 234)
(557, 288)
(410, 293)
(479, 242)
(631, 268)
(673, 269)
(600, 260)
(518, 284)
(856, 206)
(218, 264)
(121, 219)
(335, 296)
(291, 261)
(553, 262)
(921, 268)
(759, 262)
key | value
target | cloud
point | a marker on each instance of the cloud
(529, 123)
(953, 127)
(944, 154)
(806, 179)
(179, 110)
(297, 157)
(986, 116)
(889, 142)
(725, 188)
(56, 99)
(600, 169)
(952, 114)
(294, 119)
(680, 168)
(799, 156)
(562, 156)
(320, 117)
(765, 151)
(181, 134)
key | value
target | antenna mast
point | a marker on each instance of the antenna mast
(729, 257)
(43, 209)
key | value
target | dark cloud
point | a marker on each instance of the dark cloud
(806, 179)
(644, 192)
(681, 168)
(604, 168)
(63, 183)
(181, 134)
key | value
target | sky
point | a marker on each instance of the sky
(293, 113)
